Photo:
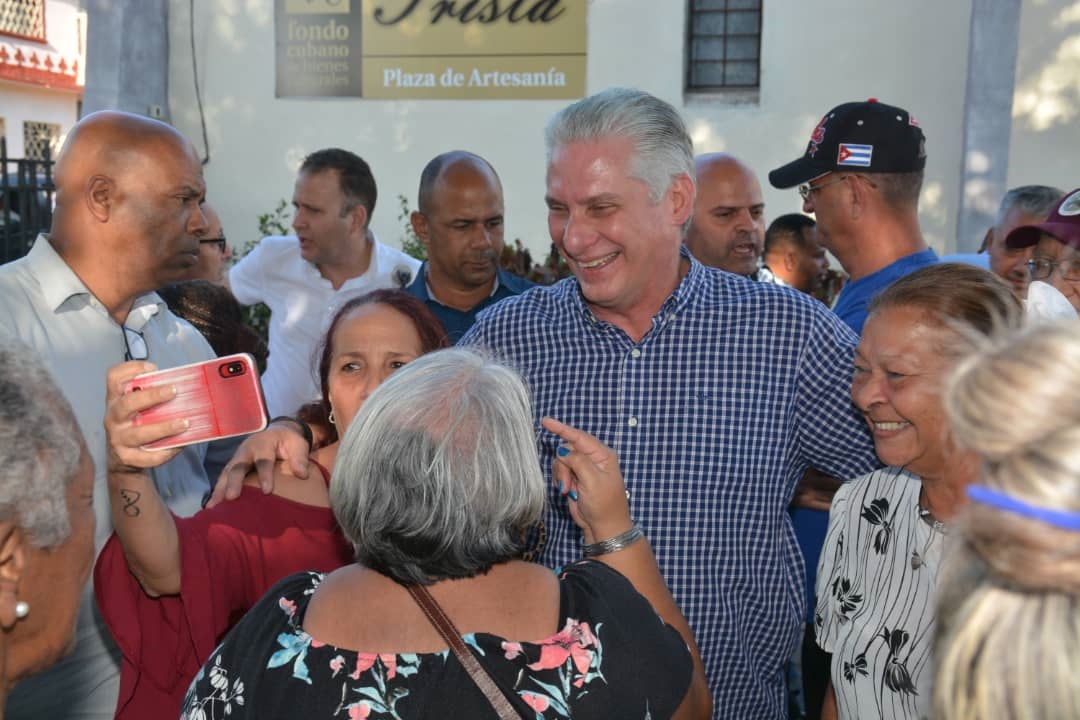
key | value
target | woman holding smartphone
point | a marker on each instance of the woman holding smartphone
(170, 588)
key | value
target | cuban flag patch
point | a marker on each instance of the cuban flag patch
(856, 155)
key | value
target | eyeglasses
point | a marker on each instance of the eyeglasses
(134, 345)
(219, 241)
(1041, 268)
(806, 189)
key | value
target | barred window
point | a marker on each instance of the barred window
(723, 45)
(41, 140)
(24, 18)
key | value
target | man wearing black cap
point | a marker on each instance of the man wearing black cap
(1056, 258)
(861, 176)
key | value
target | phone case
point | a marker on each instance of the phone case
(220, 398)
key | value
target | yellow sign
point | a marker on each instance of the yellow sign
(417, 49)
(318, 7)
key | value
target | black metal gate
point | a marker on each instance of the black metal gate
(26, 202)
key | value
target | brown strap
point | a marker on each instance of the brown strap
(476, 671)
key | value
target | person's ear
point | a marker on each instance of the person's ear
(681, 196)
(12, 565)
(358, 218)
(100, 196)
(860, 196)
(988, 240)
(419, 223)
(791, 260)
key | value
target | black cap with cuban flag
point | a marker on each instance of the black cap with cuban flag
(858, 137)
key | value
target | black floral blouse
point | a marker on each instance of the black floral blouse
(613, 657)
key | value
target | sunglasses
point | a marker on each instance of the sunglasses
(219, 241)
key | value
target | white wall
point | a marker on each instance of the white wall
(815, 55)
(1045, 146)
(65, 34)
(20, 103)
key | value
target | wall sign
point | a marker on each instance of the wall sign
(416, 49)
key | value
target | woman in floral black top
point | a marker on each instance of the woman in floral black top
(436, 482)
(878, 571)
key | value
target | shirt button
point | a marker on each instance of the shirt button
(632, 422)
(635, 353)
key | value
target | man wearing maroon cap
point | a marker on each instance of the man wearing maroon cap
(1056, 258)
(861, 175)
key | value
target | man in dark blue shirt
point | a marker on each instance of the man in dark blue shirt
(460, 222)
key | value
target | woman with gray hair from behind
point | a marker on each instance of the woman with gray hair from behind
(436, 484)
(46, 518)
(1009, 607)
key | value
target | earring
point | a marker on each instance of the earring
(331, 417)
(22, 609)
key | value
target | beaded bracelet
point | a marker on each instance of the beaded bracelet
(619, 542)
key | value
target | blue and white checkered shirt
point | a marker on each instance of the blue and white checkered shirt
(736, 389)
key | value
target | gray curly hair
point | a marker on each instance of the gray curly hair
(40, 447)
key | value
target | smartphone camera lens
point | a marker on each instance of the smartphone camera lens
(232, 369)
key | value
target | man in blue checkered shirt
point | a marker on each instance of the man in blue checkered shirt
(717, 392)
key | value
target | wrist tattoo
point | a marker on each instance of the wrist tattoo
(131, 500)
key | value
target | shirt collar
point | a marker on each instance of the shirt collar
(431, 295)
(59, 283)
(62, 288)
(690, 286)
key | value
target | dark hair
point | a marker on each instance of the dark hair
(955, 294)
(431, 332)
(435, 167)
(216, 314)
(354, 177)
(788, 228)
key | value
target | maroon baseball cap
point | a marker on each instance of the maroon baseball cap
(1063, 224)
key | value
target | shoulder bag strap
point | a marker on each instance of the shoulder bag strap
(476, 671)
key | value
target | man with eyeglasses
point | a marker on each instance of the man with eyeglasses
(214, 252)
(860, 176)
(1056, 257)
(128, 220)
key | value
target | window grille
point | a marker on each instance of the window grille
(723, 45)
(41, 140)
(24, 18)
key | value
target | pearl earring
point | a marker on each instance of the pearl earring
(22, 609)
(331, 417)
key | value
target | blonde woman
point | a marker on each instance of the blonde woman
(1009, 613)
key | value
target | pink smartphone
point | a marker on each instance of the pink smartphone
(220, 398)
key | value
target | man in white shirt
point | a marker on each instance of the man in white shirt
(128, 220)
(304, 279)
